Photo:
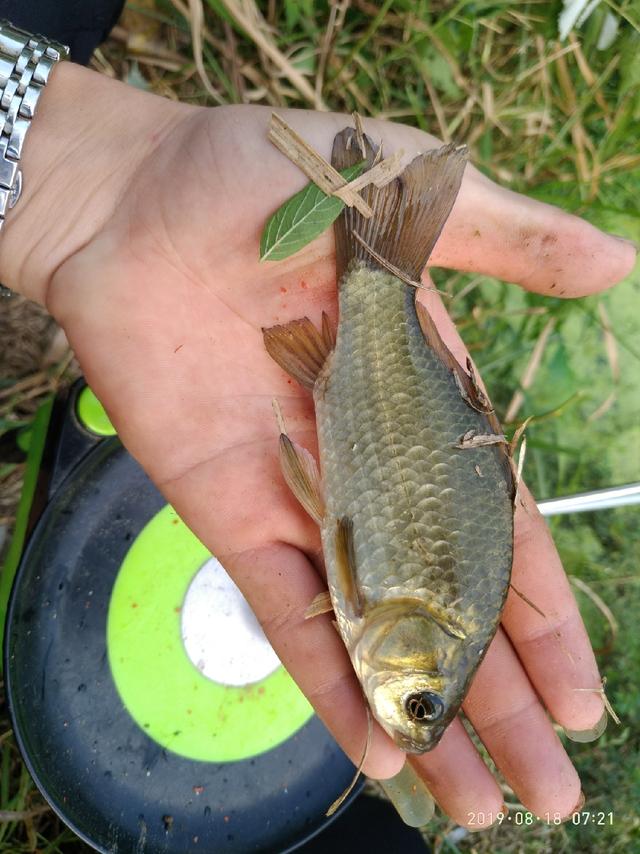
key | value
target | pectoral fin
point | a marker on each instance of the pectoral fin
(346, 565)
(299, 348)
(447, 622)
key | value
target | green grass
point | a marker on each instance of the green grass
(558, 121)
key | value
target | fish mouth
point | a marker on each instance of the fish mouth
(422, 745)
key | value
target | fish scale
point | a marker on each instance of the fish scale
(388, 463)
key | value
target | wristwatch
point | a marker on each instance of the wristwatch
(26, 62)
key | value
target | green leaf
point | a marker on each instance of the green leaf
(301, 219)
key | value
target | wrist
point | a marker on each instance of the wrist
(86, 140)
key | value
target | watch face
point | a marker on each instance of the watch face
(146, 700)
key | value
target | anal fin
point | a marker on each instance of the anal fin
(320, 604)
(447, 622)
(299, 348)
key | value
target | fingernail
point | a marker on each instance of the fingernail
(635, 245)
(585, 735)
(410, 796)
(577, 808)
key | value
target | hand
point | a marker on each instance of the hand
(142, 240)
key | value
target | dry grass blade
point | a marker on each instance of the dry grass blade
(590, 78)
(277, 411)
(357, 121)
(234, 62)
(578, 134)
(546, 61)
(334, 25)
(395, 271)
(611, 348)
(437, 109)
(314, 166)
(196, 20)
(604, 609)
(489, 108)
(379, 175)
(610, 343)
(513, 444)
(604, 407)
(530, 371)
(521, 458)
(22, 815)
(253, 26)
(528, 601)
(605, 699)
(216, 43)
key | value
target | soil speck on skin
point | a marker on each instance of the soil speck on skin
(283, 290)
(179, 347)
(303, 285)
(552, 286)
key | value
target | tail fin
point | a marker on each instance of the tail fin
(408, 213)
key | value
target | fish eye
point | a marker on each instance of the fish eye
(424, 707)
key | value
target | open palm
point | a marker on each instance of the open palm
(164, 305)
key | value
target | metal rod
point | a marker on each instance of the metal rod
(599, 499)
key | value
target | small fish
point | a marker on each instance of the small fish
(418, 547)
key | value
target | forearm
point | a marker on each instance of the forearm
(86, 140)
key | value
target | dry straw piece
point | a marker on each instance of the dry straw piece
(322, 173)
(314, 166)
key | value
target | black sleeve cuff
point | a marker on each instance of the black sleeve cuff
(81, 24)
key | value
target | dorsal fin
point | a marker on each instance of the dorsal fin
(469, 389)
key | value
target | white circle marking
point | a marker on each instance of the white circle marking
(220, 632)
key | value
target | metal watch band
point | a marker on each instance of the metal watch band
(26, 61)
